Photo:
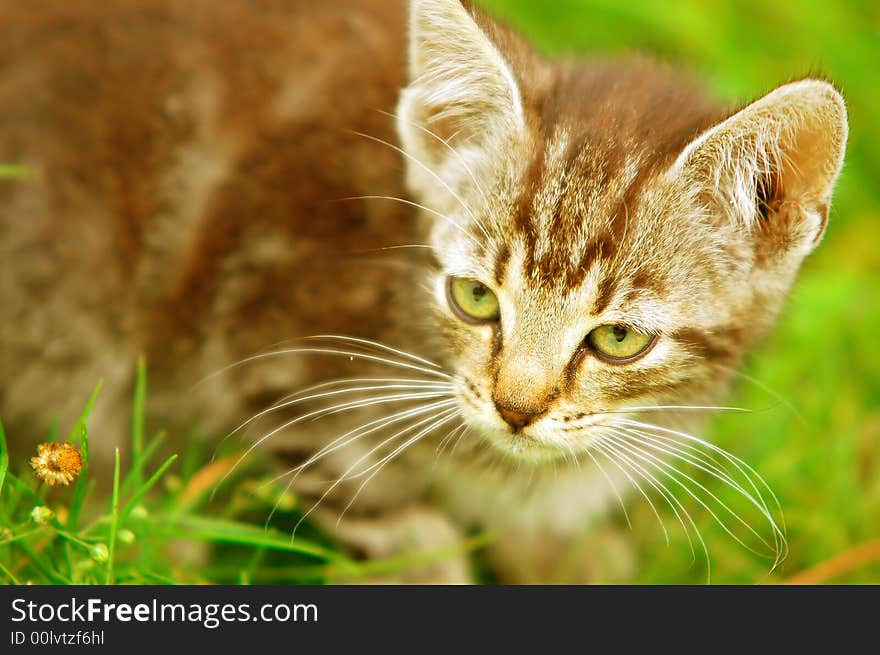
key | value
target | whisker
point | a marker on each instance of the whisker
(449, 437)
(449, 146)
(352, 354)
(748, 473)
(400, 247)
(289, 402)
(691, 455)
(458, 439)
(340, 479)
(612, 485)
(443, 418)
(374, 344)
(600, 445)
(358, 432)
(350, 437)
(421, 165)
(283, 401)
(667, 495)
(766, 389)
(404, 201)
(668, 470)
(445, 415)
(380, 400)
(649, 408)
(334, 409)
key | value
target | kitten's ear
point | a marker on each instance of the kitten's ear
(461, 90)
(772, 165)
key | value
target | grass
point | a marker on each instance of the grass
(163, 523)
(814, 436)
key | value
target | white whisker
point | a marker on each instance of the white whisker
(766, 389)
(744, 469)
(612, 485)
(692, 456)
(650, 408)
(440, 180)
(374, 344)
(668, 470)
(667, 495)
(601, 446)
(458, 439)
(357, 462)
(438, 421)
(352, 354)
(296, 397)
(445, 415)
(403, 246)
(417, 205)
(352, 436)
(427, 386)
(365, 429)
(449, 437)
(326, 411)
(449, 146)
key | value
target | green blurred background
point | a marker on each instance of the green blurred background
(820, 448)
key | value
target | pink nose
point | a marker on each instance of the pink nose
(514, 418)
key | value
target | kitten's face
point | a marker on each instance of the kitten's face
(589, 264)
(599, 298)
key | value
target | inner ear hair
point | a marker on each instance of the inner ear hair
(462, 92)
(768, 194)
(772, 166)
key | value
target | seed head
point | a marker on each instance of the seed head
(57, 463)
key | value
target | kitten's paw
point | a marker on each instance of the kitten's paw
(598, 556)
(426, 548)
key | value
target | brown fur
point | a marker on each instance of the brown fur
(261, 251)
(195, 168)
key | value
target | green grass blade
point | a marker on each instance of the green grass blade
(156, 578)
(24, 488)
(114, 520)
(220, 530)
(83, 483)
(10, 503)
(11, 171)
(36, 560)
(4, 457)
(81, 421)
(138, 465)
(137, 419)
(132, 503)
(9, 574)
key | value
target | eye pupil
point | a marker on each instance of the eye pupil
(478, 291)
(620, 333)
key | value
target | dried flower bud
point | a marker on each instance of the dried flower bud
(57, 463)
(41, 515)
(139, 512)
(100, 553)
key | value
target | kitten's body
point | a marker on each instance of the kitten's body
(189, 202)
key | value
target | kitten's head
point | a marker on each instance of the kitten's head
(606, 238)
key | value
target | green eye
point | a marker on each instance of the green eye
(618, 344)
(472, 301)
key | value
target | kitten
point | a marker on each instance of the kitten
(530, 266)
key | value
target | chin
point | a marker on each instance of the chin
(520, 446)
